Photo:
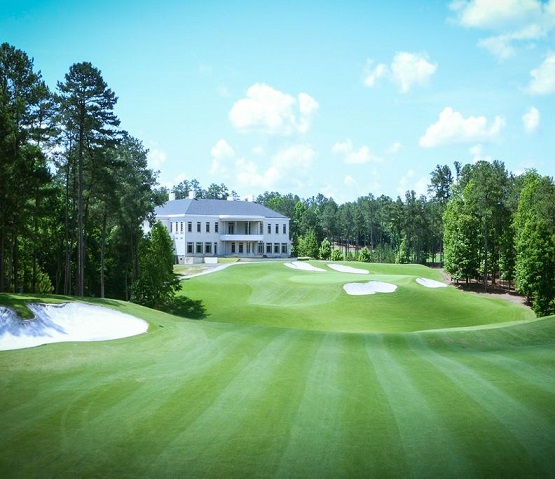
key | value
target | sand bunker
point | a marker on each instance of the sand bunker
(65, 322)
(430, 283)
(347, 269)
(303, 266)
(372, 287)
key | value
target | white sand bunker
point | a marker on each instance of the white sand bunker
(303, 266)
(372, 287)
(65, 322)
(430, 283)
(347, 269)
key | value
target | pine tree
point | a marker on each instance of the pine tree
(86, 107)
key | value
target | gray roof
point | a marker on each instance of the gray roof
(215, 208)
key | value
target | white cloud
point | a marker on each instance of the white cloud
(499, 46)
(543, 77)
(406, 70)
(495, 14)
(249, 177)
(531, 120)
(477, 152)
(156, 158)
(289, 166)
(452, 128)
(350, 182)
(221, 153)
(512, 20)
(271, 111)
(410, 181)
(373, 74)
(410, 69)
(352, 156)
(394, 148)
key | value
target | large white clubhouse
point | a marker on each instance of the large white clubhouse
(203, 229)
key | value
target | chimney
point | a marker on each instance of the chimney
(230, 198)
(191, 195)
(171, 197)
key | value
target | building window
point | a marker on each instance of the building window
(283, 248)
(216, 248)
(276, 248)
(198, 226)
(181, 227)
(208, 227)
(230, 228)
(190, 227)
(208, 248)
(190, 248)
(248, 248)
(269, 229)
(199, 248)
(277, 229)
(232, 248)
(260, 248)
(216, 227)
(268, 248)
(284, 229)
(240, 248)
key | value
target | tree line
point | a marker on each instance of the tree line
(74, 187)
(479, 221)
(75, 190)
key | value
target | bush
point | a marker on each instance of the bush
(364, 255)
(325, 249)
(336, 255)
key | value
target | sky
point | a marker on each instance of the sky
(340, 98)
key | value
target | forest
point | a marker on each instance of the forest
(75, 189)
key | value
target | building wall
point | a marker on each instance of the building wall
(196, 237)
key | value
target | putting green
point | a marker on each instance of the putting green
(450, 395)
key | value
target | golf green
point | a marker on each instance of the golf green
(289, 376)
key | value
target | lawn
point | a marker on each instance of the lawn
(288, 376)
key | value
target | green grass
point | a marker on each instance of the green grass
(277, 383)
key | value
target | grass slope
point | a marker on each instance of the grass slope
(273, 295)
(232, 397)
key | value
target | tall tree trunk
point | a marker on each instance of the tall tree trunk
(80, 233)
(102, 253)
(2, 257)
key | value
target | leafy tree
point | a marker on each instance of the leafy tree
(217, 192)
(534, 223)
(157, 284)
(181, 190)
(462, 241)
(24, 110)
(307, 245)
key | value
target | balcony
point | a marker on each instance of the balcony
(241, 237)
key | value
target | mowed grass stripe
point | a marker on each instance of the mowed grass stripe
(313, 437)
(369, 437)
(429, 447)
(531, 431)
(173, 396)
(245, 427)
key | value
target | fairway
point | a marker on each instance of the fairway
(289, 376)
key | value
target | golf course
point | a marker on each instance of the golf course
(291, 374)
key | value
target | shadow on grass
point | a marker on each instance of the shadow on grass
(188, 308)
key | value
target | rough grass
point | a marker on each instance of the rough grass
(231, 396)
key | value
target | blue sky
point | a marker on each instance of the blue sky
(339, 98)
